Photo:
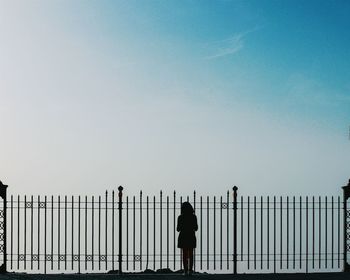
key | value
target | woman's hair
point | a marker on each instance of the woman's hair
(186, 208)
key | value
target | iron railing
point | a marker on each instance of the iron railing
(134, 233)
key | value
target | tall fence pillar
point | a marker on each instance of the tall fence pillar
(120, 207)
(235, 229)
(3, 192)
(346, 215)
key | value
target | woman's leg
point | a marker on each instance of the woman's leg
(185, 259)
(190, 256)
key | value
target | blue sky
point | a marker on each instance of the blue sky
(175, 95)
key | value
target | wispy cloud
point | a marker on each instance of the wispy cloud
(230, 45)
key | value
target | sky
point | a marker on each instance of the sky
(174, 95)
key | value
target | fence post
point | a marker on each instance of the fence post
(235, 229)
(3, 192)
(346, 217)
(120, 195)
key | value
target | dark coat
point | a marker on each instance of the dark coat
(187, 225)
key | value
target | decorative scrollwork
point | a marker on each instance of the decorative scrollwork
(348, 235)
(48, 257)
(348, 213)
(2, 248)
(29, 205)
(347, 225)
(102, 257)
(1, 213)
(89, 258)
(348, 247)
(137, 257)
(62, 257)
(42, 205)
(1, 236)
(1, 225)
(22, 257)
(35, 257)
(76, 258)
(224, 205)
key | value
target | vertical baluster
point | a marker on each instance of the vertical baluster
(201, 232)
(59, 233)
(228, 230)
(287, 232)
(319, 233)
(52, 241)
(338, 231)
(133, 232)
(194, 250)
(208, 232)
(174, 230)
(65, 232)
(242, 240)
(147, 230)
(161, 230)
(332, 232)
(268, 232)
(106, 230)
(140, 230)
(154, 233)
(167, 231)
(18, 229)
(248, 236)
(220, 232)
(274, 234)
(86, 230)
(92, 232)
(307, 235)
(180, 254)
(31, 233)
(11, 231)
(326, 234)
(300, 232)
(261, 232)
(127, 232)
(281, 232)
(45, 234)
(113, 217)
(99, 232)
(79, 208)
(38, 233)
(293, 232)
(313, 232)
(72, 225)
(254, 232)
(214, 232)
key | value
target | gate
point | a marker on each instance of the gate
(116, 232)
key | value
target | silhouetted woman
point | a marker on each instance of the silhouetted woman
(187, 225)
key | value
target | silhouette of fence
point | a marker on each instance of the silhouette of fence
(134, 233)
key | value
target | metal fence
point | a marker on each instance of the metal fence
(133, 233)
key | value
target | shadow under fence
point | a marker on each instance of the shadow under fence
(119, 233)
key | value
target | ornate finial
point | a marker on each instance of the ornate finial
(235, 188)
(120, 188)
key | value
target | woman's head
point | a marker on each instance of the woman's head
(186, 208)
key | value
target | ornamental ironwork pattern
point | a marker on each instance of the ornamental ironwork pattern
(102, 257)
(42, 205)
(137, 257)
(22, 257)
(35, 257)
(29, 205)
(224, 205)
(62, 257)
(48, 257)
(76, 258)
(89, 258)
(1, 214)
